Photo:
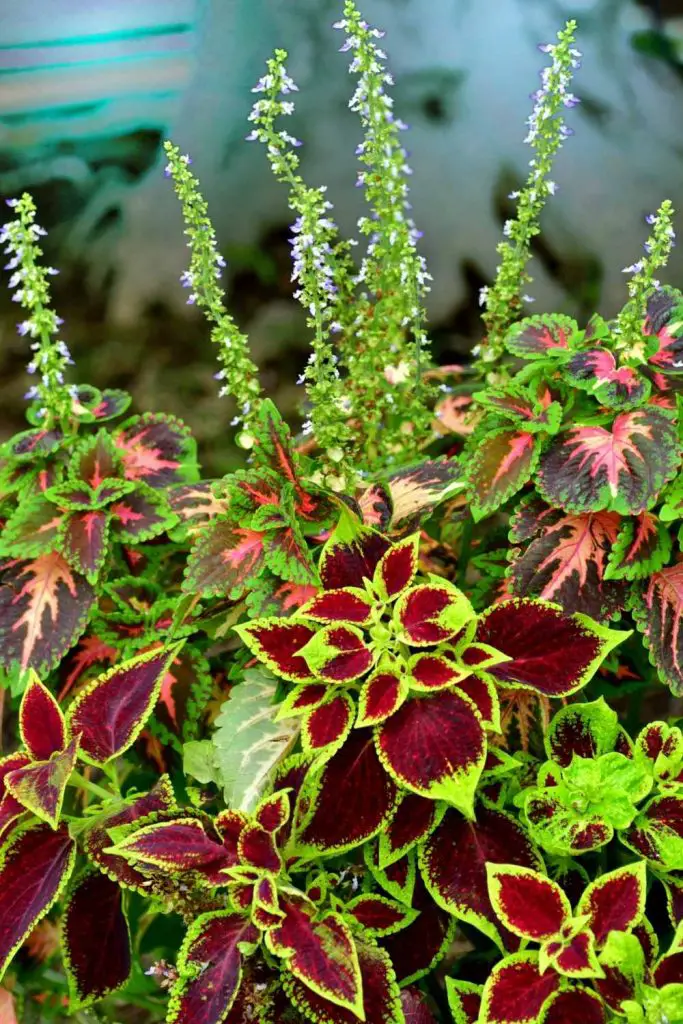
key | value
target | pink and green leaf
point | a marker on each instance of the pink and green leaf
(141, 515)
(33, 529)
(224, 559)
(34, 868)
(43, 609)
(528, 903)
(158, 450)
(540, 337)
(549, 652)
(435, 746)
(85, 541)
(110, 712)
(658, 615)
(95, 940)
(618, 387)
(622, 469)
(499, 464)
(96, 460)
(642, 547)
(568, 563)
(41, 722)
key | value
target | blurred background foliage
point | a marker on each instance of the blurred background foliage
(89, 91)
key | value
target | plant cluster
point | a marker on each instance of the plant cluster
(378, 728)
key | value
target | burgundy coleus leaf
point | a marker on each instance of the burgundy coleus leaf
(573, 956)
(615, 902)
(657, 833)
(417, 949)
(568, 563)
(96, 460)
(429, 672)
(396, 568)
(380, 994)
(210, 968)
(351, 554)
(379, 915)
(10, 809)
(417, 1007)
(618, 387)
(381, 695)
(622, 469)
(32, 443)
(224, 559)
(431, 613)
(41, 722)
(43, 609)
(585, 730)
(40, 785)
(111, 710)
(176, 845)
(549, 652)
(273, 811)
(658, 615)
(453, 864)
(158, 450)
(36, 864)
(642, 547)
(499, 464)
(277, 643)
(435, 746)
(570, 1006)
(97, 839)
(338, 653)
(528, 903)
(481, 690)
(397, 879)
(84, 541)
(321, 954)
(516, 991)
(95, 940)
(669, 969)
(326, 727)
(416, 491)
(348, 604)
(538, 337)
(415, 818)
(140, 515)
(256, 848)
(464, 1000)
(348, 800)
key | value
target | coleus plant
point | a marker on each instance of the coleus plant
(307, 743)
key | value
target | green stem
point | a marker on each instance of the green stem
(80, 781)
(465, 551)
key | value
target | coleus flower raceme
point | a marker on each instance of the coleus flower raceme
(383, 660)
(37, 854)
